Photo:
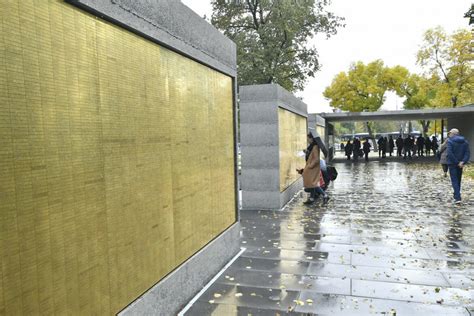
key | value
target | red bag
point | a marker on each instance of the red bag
(321, 180)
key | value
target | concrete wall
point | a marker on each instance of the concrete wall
(259, 142)
(465, 125)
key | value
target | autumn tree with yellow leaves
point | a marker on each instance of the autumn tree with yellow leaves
(450, 59)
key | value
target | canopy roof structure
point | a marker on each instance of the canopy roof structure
(402, 115)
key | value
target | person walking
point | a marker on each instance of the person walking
(427, 145)
(443, 158)
(399, 143)
(458, 155)
(366, 148)
(356, 150)
(381, 145)
(434, 144)
(386, 149)
(414, 146)
(348, 150)
(407, 146)
(312, 172)
(391, 145)
(420, 142)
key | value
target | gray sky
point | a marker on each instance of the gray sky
(390, 30)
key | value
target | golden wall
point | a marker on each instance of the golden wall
(116, 160)
(292, 136)
(321, 131)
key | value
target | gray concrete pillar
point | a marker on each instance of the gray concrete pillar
(263, 111)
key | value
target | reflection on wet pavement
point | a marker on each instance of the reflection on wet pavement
(389, 242)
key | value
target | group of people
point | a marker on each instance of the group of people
(453, 154)
(406, 147)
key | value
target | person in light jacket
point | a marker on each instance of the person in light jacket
(443, 160)
(312, 172)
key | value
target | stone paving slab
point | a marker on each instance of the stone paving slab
(390, 242)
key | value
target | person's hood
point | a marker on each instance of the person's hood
(457, 139)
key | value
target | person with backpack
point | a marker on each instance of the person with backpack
(312, 171)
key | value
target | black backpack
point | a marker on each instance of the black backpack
(332, 173)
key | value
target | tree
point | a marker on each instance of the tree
(272, 38)
(449, 58)
(361, 89)
(419, 92)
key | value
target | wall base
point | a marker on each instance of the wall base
(172, 293)
(288, 194)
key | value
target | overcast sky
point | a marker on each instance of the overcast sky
(390, 30)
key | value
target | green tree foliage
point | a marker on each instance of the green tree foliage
(361, 89)
(272, 38)
(419, 92)
(449, 58)
(342, 128)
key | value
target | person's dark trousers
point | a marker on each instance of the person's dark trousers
(399, 151)
(380, 152)
(445, 167)
(366, 156)
(456, 174)
(407, 151)
(317, 191)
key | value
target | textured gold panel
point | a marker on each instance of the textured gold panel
(292, 136)
(321, 131)
(116, 160)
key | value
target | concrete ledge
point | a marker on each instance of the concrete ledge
(172, 293)
(272, 93)
(288, 194)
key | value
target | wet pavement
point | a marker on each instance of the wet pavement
(389, 242)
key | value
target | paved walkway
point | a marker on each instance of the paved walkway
(390, 242)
